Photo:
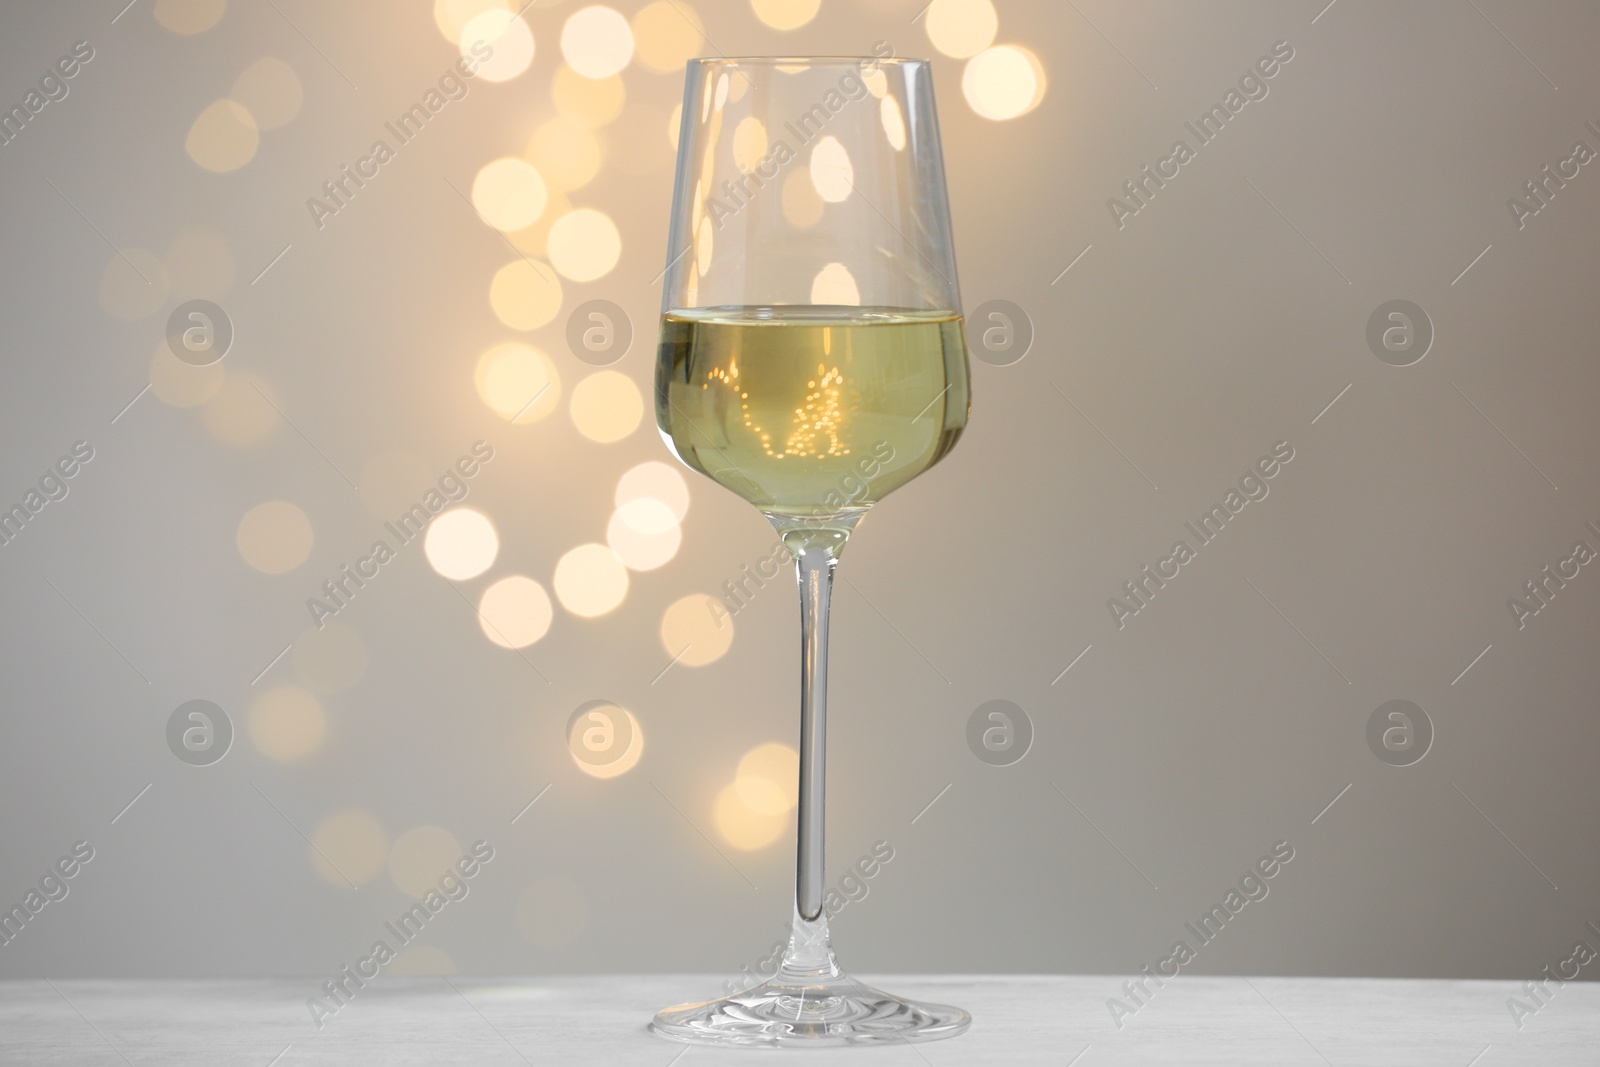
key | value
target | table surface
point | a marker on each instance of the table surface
(1018, 1019)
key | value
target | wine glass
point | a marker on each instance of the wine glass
(812, 360)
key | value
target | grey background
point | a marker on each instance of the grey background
(1173, 754)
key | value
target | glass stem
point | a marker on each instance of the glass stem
(814, 570)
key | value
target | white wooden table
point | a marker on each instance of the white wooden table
(1018, 1020)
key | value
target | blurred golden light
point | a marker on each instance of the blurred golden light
(741, 827)
(597, 42)
(591, 102)
(658, 480)
(876, 81)
(644, 533)
(834, 284)
(274, 537)
(552, 912)
(696, 630)
(515, 612)
(675, 125)
(421, 961)
(518, 382)
(525, 295)
(801, 204)
(134, 284)
(785, 14)
(461, 543)
(223, 138)
(894, 123)
(420, 857)
(961, 28)
(189, 16)
(606, 406)
(199, 263)
(831, 171)
(666, 35)
(242, 412)
(533, 239)
(590, 580)
(568, 155)
(768, 779)
(452, 16)
(584, 244)
(270, 90)
(330, 658)
(1003, 82)
(286, 723)
(183, 385)
(349, 844)
(704, 242)
(604, 739)
(509, 193)
(749, 142)
(510, 38)
(393, 481)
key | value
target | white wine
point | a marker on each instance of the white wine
(811, 411)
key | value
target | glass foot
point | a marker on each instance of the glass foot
(829, 1011)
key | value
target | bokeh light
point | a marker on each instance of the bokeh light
(452, 16)
(420, 857)
(749, 142)
(834, 284)
(740, 826)
(518, 382)
(606, 406)
(666, 35)
(1003, 82)
(590, 580)
(768, 779)
(189, 16)
(657, 480)
(349, 844)
(961, 28)
(134, 284)
(552, 912)
(785, 14)
(180, 384)
(894, 122)
(330, 658)
(567, 154)
(391, 482)
(584, 244)
(200, 264)
(597, 42)
(421, 961)
(675, 125)
(509, 193)
(591, 102)
(286, 723)
(223, 138)
(525, 294)
(270, 90)
(696, 629)
(507, 35)
(515, 612)
(831, 171)
(604, 739)
(274, 537)
(243, 412)
(461, 543)
(644, 533)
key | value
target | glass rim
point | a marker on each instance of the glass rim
(820, 61)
